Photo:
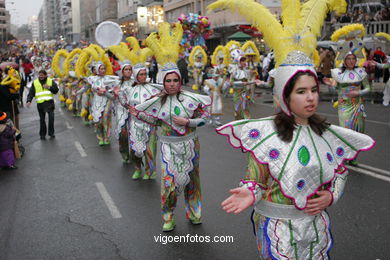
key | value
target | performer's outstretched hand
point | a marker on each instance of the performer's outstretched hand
(179, 120)
(315, 206)
(240, 200)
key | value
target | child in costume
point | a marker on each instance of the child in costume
(197, 62)
(253, 58)
(178, 113)
(296, 164)
(386, 91)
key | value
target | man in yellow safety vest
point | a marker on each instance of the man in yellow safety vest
(44, 89)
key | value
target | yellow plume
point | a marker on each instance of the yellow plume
(298, 31)
(217, 53)
(347, 31)
(58, 62)
(383, 35)
(251, 45)
(73, 55)
(195, 52)
(138, 55)
(166, 47)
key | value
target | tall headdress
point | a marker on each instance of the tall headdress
(58, 62)
(122, 52)
(218, 54)
(166, 46)
(250, 48)
(233, 51)
(293, 41)
(196, 53)
(139, 55)
(92, 56)
(349, 41)
(70, 62)
(384, 39)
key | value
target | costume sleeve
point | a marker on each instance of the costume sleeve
(383, 66)
(198, 120)
(337, 187)
(366, 87)
(256, 178)
(146, 118)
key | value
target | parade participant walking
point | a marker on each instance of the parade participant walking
(142, 136)
(44, 89)
(296, 157)
(215, 84)
(351, 79)
(178, 113)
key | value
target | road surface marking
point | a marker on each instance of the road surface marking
(68, 125)
(80, 149)
(108, 200)
(61, 112)
(368, 167)
(369, 173)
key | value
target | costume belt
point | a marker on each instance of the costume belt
(177, 139)
(280, 211)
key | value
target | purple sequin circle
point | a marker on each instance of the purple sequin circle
(274, 154)
(154, 110)
(351, 75)
(301, 184)
(340, 151)
(254, 133)
(329, 157)
(191, 105)
(145, 95)
(163, 114)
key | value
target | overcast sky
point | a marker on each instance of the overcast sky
(22, 9)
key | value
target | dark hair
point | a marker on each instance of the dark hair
(285, 124)
(44, 72)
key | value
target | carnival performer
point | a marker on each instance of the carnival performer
(57, 65)
(178, 113)
(142, 136)
(351, 79)
(219, 61)
(296, 164)
(197, 62)
(215, 84)
(253, 58)
(102, 87)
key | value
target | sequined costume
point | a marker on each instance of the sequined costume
(351, 110)
(238, 77)
(179, 149)
(102, 105)
(283, 176)
(216, 87)
(142, 136)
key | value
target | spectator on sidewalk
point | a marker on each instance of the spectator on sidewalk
(7, 139)
(44, 89)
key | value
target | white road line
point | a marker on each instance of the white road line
(68, 125)
(80, 149)
(372, 174)
(61, 112)
(108, 200)
(374, 169)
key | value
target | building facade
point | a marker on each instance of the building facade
(3, 22)
(33, 24)
(47, 19)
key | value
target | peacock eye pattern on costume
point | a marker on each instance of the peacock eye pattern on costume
(274, 154)
(340, 151)
(254, 134)
(301, 184)
(329, 157)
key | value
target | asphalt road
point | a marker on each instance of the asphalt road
(52, 206)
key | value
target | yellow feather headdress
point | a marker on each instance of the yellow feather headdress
(196, 52)
(383, 36)
(71, 60)
(138, 56)
(219, 52)
(293, 41)
(58, 62)
(230, 47)
(301, 22)
(250, 48)
(93, 55)
(166, 47)
(349, 41)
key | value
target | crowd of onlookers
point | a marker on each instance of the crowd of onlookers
(361, 16)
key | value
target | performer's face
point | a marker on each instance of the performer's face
(303, 100)
(141, 76)
(102, 70)
(350, 61)
(172, 83)
(127, 70)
